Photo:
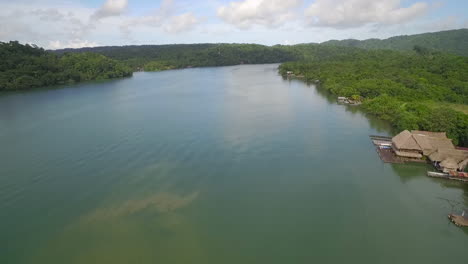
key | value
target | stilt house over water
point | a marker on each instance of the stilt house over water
(434, 145)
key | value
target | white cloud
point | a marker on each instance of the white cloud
(57, 44)
(110, 8)
(50, 14)
(38, 25)
(270, 13)
(162, 17)
(356, 13)
(61, 24)
(181, 23)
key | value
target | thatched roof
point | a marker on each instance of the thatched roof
(429, 133)
(449, 164)
(442, 154)
(405, 140)
(441, 143)
(422, 141)
(462, 165)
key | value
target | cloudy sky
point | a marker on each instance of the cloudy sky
(59, 24)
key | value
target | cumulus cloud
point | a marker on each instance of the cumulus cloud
(355, 13)
(30, 24)
(110, 8)
(270, 13)
(181, 23)
(50, 14)
(162, 17)
(77, 43)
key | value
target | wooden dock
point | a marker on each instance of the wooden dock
(458, 220)
(383, 147)
(388, 156)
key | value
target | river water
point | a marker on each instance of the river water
(211, 165)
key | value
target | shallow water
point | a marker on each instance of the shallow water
(212, 165)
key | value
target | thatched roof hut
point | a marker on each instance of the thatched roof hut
(406, 141)
(421, 142)
(442, 154)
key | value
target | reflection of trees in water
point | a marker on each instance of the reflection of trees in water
(375, 123)
(410, 171)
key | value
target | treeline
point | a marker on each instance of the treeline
(28, 66)
(450, 41)
(413, 90)
(162, 57)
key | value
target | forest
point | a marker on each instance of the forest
(28, 66)
(420, 90)
(162, 57)
(449, 41)
(176, 56)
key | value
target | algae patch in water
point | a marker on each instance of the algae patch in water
(162, 202)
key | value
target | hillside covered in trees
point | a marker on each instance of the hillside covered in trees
(413, 90)
(450, 41)
(26, 66)
(162, 57)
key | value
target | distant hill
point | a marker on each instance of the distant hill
(159, 57)
(173, 56)
(451, 41)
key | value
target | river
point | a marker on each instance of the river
(211, 165)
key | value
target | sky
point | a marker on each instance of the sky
(55, 24)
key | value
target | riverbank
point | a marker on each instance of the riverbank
(409, 90)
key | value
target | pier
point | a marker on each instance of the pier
(383, 147)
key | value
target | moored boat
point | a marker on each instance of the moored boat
(437, 174)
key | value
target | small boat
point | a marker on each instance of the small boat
(449, 176)
(437, 174)
(459, 220)
(385, 147)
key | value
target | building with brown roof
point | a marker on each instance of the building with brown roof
(405, 145)
(435, 145)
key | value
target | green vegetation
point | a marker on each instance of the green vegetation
(162, 57)
(413, 90)
(451, 41)
(158, 66)
(26, 66)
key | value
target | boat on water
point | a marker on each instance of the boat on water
(459, 220)
(458, 176)
(437, 174)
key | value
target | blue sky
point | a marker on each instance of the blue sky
(60, 24)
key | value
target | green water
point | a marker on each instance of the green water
(212, 165)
